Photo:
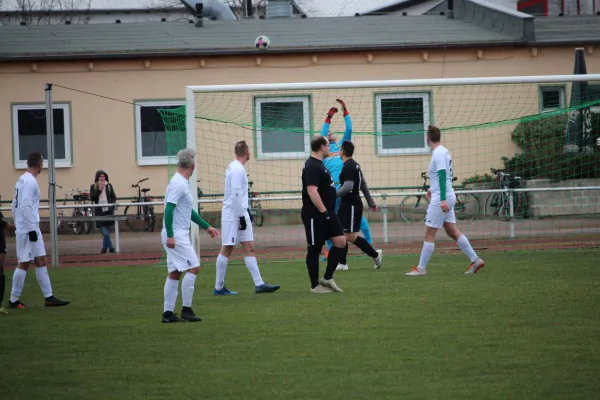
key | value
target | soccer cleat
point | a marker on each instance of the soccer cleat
(319, 289)
(379, 259)
(475, 266)
(187, 314)
(3, 310)
(266, 288)
(168, 317)
(342, 267)
(16, 304)
(54, 302)
(330, 283)
(224, 292)
(415, 271)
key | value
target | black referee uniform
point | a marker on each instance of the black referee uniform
(350, 212)
(320, 226)
(3, 253)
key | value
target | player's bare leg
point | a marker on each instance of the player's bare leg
(2, 283)
(335, 255)
(250, 259)
(462, 242)
(365, 247)
(222, 261)
(426, 252)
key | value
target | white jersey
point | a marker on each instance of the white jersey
(235, 201)
(26, 204)
(440, 159)
(178, 193)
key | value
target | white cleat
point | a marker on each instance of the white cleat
(342, 267)
(330, 283)
(475, 266)
(379, 259)
(321, 289)
(416, 271)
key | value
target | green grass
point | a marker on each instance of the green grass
(527, 327)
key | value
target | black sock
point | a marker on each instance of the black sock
(2, 288)
(335, 255)
(312, 264)
(366, 248)
(344, 259)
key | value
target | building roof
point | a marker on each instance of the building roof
(568, 29)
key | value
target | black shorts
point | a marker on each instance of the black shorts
(350, 216)
(2, 242)
(317, 231)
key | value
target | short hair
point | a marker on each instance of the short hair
(34, 159)
(434, 133)
(186, 158)
(317, 142)
(348, 148)
(241, 148)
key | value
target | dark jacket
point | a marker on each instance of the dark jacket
(111, 197)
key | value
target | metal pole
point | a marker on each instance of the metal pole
(51, 179)
(384, 211)
(511, 205)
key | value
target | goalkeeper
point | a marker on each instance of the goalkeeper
(335, 164)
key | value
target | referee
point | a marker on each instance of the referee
(8, 226)
(318, 216)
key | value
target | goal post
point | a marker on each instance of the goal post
(513, 124)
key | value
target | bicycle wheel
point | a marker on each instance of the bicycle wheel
(77, 225)
(132, 218)
(258, 215)
(149, 218)
(414, 208)
(496, 205)
(88, 225)
(521, 206)
(466, 207)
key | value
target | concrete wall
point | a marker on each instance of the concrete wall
(555, 203)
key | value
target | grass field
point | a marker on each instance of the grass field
(527, 327)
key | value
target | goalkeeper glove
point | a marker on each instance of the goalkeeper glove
(343, 106)
(33, 236)
(243, 224)
(330, 114)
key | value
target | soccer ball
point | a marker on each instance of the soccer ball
(262, 42)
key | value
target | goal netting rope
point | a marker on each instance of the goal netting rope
(544, 137)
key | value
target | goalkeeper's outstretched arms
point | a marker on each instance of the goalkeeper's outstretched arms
(347, 121)
(327, 124)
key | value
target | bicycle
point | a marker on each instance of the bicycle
(414, 208)
(254, 207)
(78, 227)
(498, 204)
(143, 212)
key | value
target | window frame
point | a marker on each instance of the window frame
(595, 109)
(426, 96)
(66, 162)
(257, 102)
(562, 92)
(137, 110)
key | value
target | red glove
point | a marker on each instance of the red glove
(343, 106)
(330, 114)
(374, 209)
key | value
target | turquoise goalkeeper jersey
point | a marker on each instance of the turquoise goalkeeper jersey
(334, 162)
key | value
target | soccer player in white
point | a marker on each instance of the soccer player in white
(175, 235)
(29, 240)
(236, 224)
(441, 207)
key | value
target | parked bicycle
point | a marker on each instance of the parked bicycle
(254, 207)
(78, 227)
(141, 212)
(498, 204)
(414, 208)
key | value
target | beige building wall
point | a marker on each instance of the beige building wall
(103, 130)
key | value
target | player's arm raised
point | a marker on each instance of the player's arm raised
(347, 121)
(327, 124)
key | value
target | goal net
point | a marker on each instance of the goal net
(524, 150)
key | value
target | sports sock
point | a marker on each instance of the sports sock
(187, 289)
(344, 259)
(221, 271)
(426, 254)
(364, 227)
(171, 289)
(466, 248)
(312, 264)
(252, 266)
(366, 248)
(17, 284)
(2, 288)
(41, 273)
(335, 255)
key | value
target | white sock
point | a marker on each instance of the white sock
(17, 284)
(426, 254)
(252, 265)
(221, 271)
(41, 273)
(465, 246)
(171, 288)
(187, 288)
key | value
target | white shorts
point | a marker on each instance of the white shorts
(231, 234)
(436, 217)
(183, 256)
(27, 250)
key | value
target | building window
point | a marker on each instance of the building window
(152, 143)
(282, 127)
(552, 98)
(29, 133)
(402, 121)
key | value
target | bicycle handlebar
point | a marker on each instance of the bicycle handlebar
(138, 183)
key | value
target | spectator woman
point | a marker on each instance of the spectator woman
(102, 192)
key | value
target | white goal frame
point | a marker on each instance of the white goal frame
(191, 92)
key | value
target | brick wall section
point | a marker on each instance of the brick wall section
(573, 202)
